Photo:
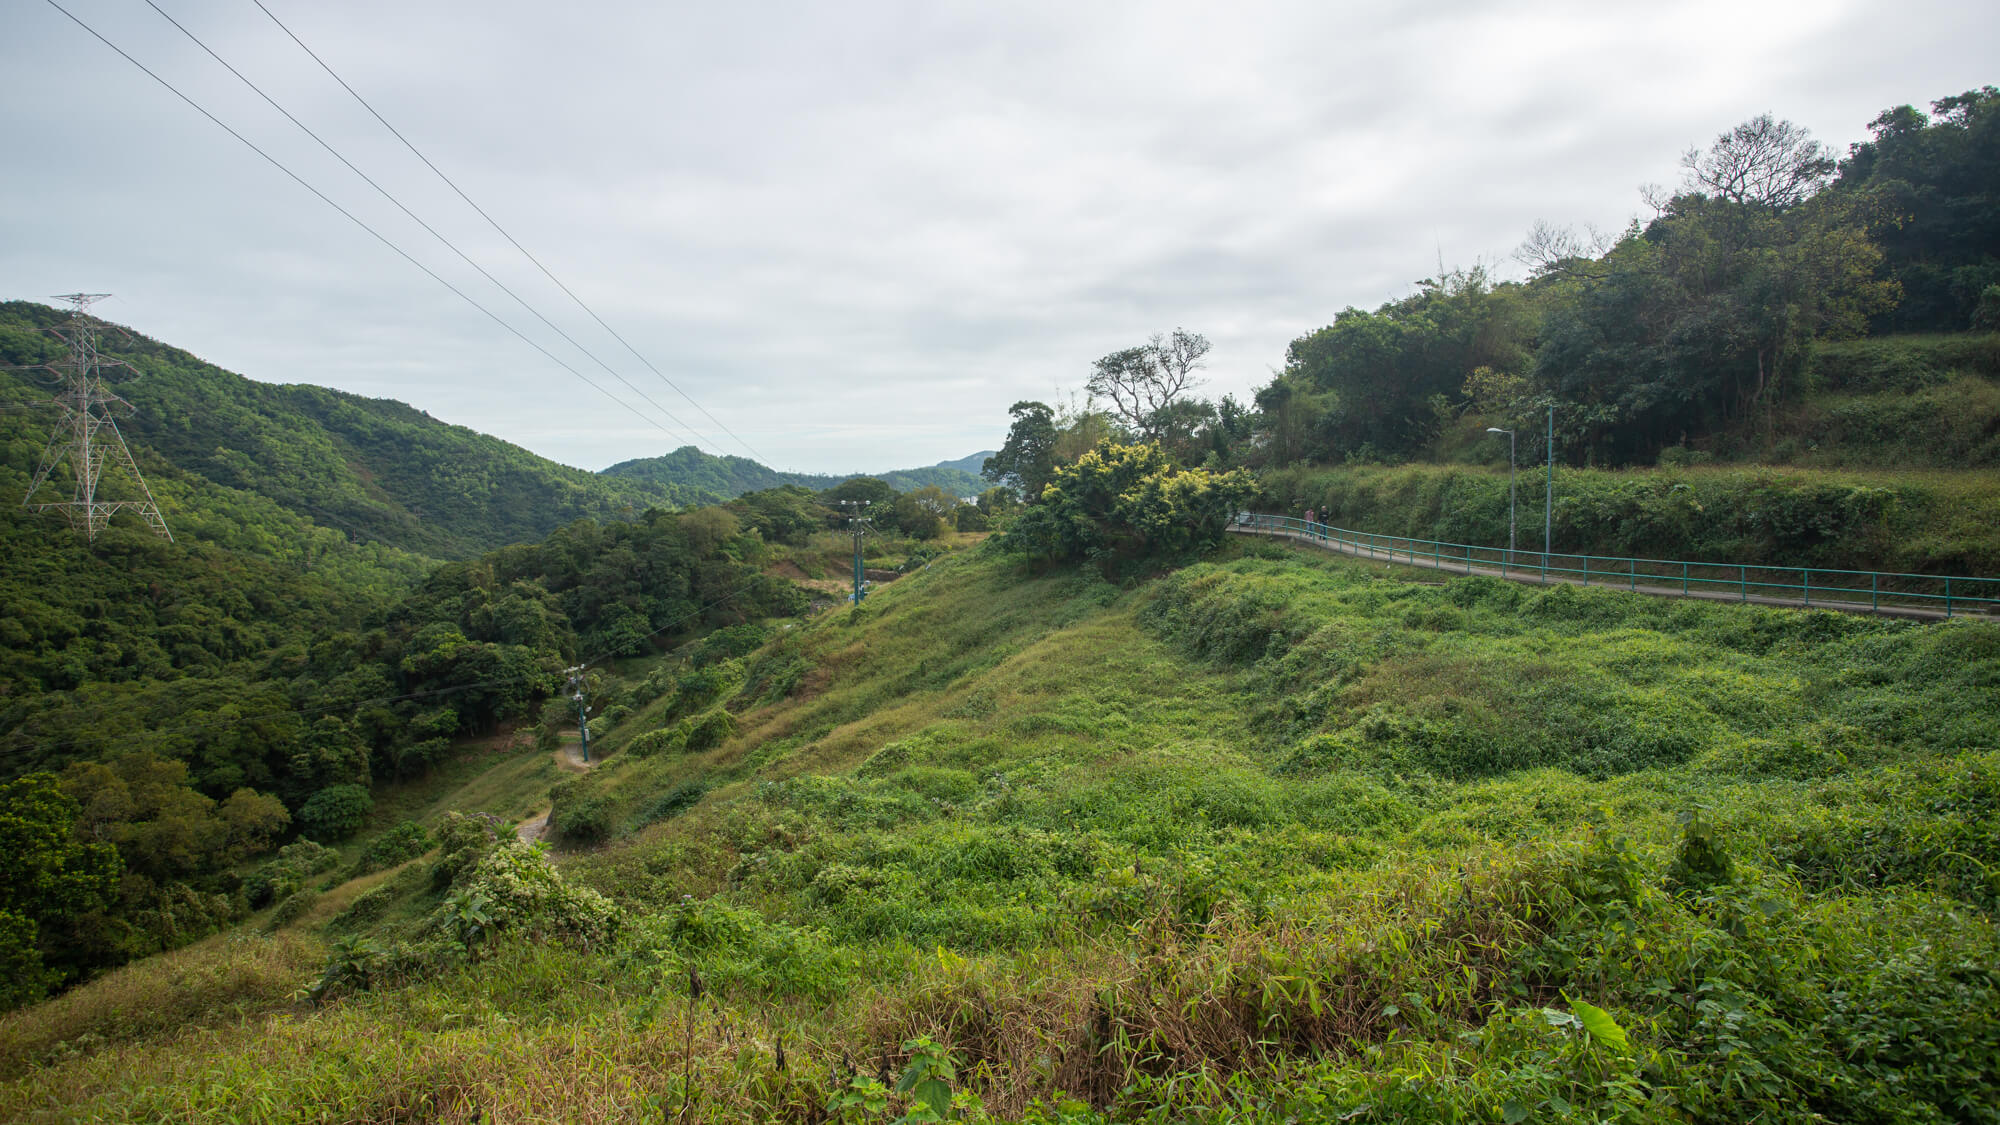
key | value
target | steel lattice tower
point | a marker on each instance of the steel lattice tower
(87, 436)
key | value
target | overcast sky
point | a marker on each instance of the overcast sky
(855, 233)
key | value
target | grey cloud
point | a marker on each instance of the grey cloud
(857, 233)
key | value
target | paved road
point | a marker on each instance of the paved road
(1535, 577)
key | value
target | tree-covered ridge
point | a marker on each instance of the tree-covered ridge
(1696, 329)
(1935, 182)
(193, 702)
(716, 479)
(182, 705)
(374, 469)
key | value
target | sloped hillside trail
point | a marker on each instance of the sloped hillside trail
(569, 757)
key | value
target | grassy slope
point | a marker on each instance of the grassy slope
(1276, 836)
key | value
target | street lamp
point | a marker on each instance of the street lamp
(1549, 497)
(1510, 488)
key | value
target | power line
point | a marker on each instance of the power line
(351, 217)
(503, 232)
(385, 193)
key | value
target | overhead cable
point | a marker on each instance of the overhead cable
(385, 193)
(351, 217)
(503, 233)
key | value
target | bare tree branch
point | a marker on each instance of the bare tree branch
(1763, 162)
(1142, 383)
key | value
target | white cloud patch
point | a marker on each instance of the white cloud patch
(857, 233)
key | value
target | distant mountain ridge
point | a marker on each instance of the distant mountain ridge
(377, 470)
(726, 477)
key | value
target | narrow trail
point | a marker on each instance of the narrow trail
(568, 757)
(1534, 577)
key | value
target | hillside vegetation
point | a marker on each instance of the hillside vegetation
(1909, 521)
(1105, 819)
(717, 479)
(1272, 837)
(375, 470)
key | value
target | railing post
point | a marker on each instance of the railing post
(1874, 590)
(1684, 579)
(1586, 570)
(1947, 597)
(1806, 584)
(1743, 576)
(1634, 564)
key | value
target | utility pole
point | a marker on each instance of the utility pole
(1549, 498)
(577, 687)
(87, 436)
(858, 521)
(1510, 488)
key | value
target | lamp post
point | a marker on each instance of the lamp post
(1549, 497)
(1510, 488)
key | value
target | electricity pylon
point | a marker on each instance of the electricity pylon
(579, 685)
(87, 436)
(858, 520)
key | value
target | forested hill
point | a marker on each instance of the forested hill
(374, 469)
(724, 478)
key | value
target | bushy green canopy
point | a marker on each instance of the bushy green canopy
(1120, 502)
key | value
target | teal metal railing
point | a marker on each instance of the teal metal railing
(1851, 590)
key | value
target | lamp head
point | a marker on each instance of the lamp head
(1497, 430)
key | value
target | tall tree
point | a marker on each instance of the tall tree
(1384, 370)
(50, 879)
(1706, 315)
(1763, 162)
(1932, 189)
(1028, 457)
(1143, 384)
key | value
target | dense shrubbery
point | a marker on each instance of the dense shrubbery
(1120, 503)
(335, 812)
(405, 841)
(1910, 522)
(281, 877)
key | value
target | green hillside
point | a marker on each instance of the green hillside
(1274, 837)
(724, 478)
(373, 469)
(1103, 819)
(171, 710)
(1911, 521)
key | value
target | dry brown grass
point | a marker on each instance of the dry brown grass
(220, 980)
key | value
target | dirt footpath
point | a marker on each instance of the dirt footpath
(569, 757)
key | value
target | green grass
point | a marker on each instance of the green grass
(1273, 837)
(1906, 521)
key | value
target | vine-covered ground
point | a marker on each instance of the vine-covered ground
(1274, 837)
